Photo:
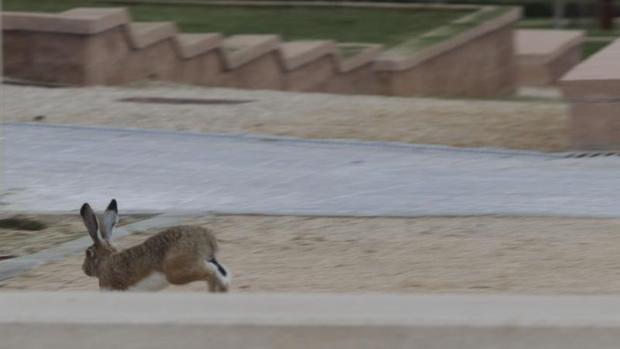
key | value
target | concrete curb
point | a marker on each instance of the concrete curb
(312, 309)
(31, 320)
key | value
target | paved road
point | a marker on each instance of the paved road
(57, 168)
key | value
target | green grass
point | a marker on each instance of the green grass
(450, 29)
(384, 26)
(350, 51)
(589, 25)
(592, 47)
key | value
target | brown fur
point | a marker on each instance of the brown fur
(178, 252)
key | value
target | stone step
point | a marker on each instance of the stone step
(75, 21)
(298, 53)
(603, 65)
(143, 34)
(354, 55)
(241, 49)
(250, 61)
(192, 45)
(593, 90)
(544, 44)
(544, 55)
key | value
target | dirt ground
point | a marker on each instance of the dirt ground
(56, 229)
(488, 254)
(533, 124)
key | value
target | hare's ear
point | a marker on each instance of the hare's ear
(90, 221)
(110, 218)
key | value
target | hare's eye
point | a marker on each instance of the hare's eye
(89, 253)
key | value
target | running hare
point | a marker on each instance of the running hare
(177, 256)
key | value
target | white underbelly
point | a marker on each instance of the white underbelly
(154, 282)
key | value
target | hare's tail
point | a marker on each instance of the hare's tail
(220, 271)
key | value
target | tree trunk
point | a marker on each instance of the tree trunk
(606, 14)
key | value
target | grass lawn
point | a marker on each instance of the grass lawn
(450, 29)
(591, 47)
(385, 26)
(586, 24)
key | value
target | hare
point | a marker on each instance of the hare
(178, 255)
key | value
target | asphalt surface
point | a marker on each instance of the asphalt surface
(57, 168)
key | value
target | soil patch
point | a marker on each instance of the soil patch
(524, 255)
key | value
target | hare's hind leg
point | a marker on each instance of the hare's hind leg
(181, 270)
(219, 280)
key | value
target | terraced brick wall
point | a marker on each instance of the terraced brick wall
(102, 46)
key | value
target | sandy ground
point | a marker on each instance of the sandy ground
(423, 255)
(59, 229)
(518, 124)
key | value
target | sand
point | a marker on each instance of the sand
(489, 254)
(532, 124)
(58, 229)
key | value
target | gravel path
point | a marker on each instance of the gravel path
(530, 124)
(57, 168)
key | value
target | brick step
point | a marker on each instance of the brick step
(192, 45)
(298, 53)
(94, 46)
(143, 34)
(544, 55)
(355, 55)
(241, 49)
(75, 21)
